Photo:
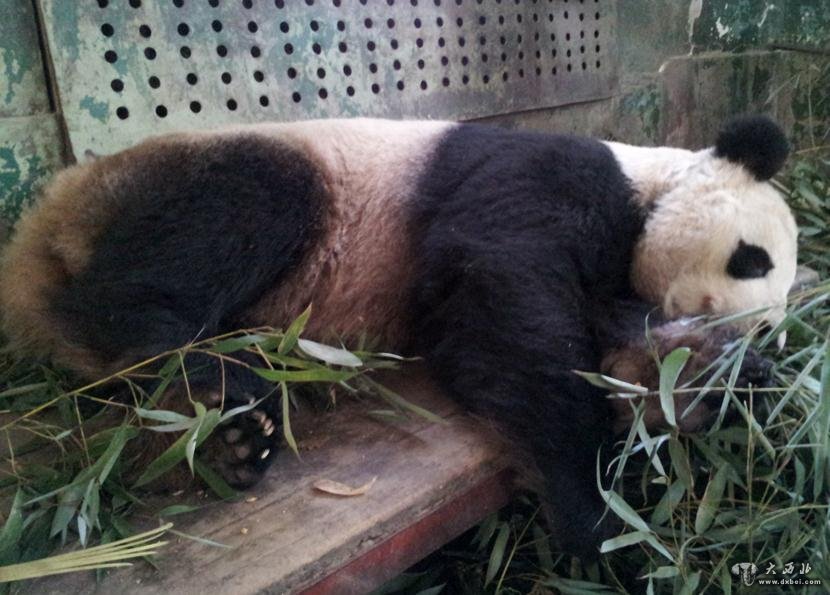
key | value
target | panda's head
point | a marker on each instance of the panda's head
(719, 239)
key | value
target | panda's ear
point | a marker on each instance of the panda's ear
(756, 142)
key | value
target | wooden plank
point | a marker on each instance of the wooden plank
(406, 547)
(433, 481)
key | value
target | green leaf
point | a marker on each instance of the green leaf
(162, 415)
(215, 481)
(822, 451)
(207, 423)
(22, 390)
(68, 503)
(237, 343)
(292, 335)
(333, 356)
(611, 384)
(665, 507)
(680, 463)
(318, 375)
(12, 531)
(167, 374)
(178, 509)
(623, 510)
(691, 584)
(670, 371)
(105, 464)
(178, 451)
(663, 572)
(395, 399)
(241, 409)
(542, 542)
(609, 545)
(711, 500)
(286, 419)
(497, 553)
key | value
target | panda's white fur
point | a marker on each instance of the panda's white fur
(358, 274)
(703, 205)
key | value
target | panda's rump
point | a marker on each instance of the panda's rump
(178, 237)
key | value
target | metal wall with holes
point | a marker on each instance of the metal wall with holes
(125, 69)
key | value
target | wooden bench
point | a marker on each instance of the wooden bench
(434, 481)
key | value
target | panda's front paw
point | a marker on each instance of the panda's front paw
(242, 449)
(756, 371)
(636, 363)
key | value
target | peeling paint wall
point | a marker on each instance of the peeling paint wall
(30, 139)
(738, 25)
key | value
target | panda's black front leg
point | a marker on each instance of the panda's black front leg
(503, 340)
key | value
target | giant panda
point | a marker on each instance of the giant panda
(506, 259)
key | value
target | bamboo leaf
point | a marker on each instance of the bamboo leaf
(665, 507)
(670, 371)
(680, 463)
(178, 451)
(175, 509)
(611, 384)
(333, 356)
(497, 553)
(162, 415)
(711, 500)
(237, 343)
(623, 510)
(317, 375)
(215, 481)
(110, 555)
(12, 531)
(286, 419)
(292, 335)
(691, 584)
(609, 545)
(663, 572)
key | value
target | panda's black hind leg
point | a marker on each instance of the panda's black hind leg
(242, 449)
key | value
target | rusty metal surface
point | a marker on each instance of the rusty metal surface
(129, 69)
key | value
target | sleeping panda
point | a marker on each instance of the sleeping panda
(507, 259)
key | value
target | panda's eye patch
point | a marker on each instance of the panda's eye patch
(748, 261)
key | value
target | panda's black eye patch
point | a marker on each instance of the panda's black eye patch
(748, 261)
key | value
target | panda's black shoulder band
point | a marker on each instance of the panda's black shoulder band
(756, 142)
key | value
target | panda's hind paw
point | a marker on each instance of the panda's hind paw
(242, 449)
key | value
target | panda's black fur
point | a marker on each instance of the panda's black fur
(511, 288)
(519, 252)
(204, 240)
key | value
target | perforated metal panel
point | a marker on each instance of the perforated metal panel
(126, 69)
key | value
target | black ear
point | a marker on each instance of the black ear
(748, 261)
(756, 142)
